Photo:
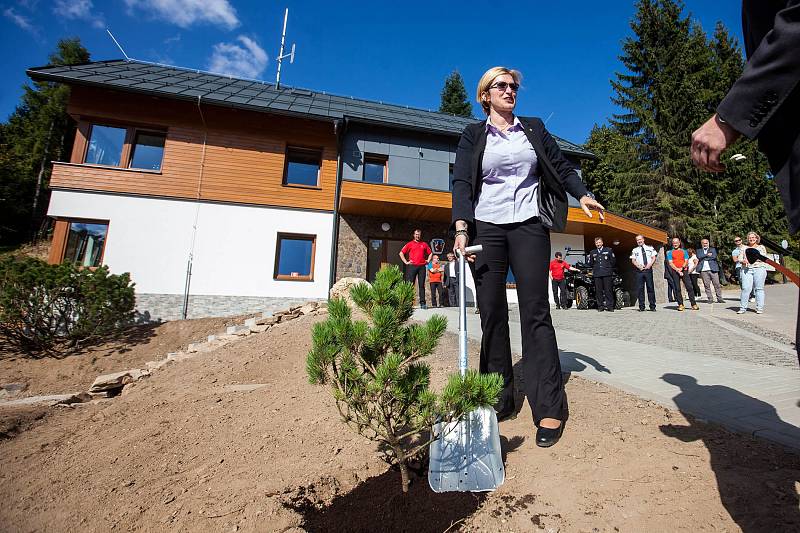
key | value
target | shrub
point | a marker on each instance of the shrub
(377, 374)
(46, 307)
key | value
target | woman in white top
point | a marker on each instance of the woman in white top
(753, 275)
(694, 275)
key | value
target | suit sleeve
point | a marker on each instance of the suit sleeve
(566, 171)
(462, 205)
(770, 76)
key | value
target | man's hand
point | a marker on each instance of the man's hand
(709, 141)
(587, 204)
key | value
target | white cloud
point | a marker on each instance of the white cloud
(79, 10)
(185, 13)
(20, 20)
(246, 60)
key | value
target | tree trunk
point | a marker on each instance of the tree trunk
(39, 178)
(404, 474)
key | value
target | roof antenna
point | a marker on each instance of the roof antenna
(290, 55)
(118, 45)
(548, 117)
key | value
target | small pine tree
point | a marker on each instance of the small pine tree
(377, 373)
(454, 97)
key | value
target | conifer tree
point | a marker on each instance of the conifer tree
(378, 375)
(37, 132)
(454, 97)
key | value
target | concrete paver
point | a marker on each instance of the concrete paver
(724, 374)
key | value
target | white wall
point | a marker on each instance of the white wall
(559, 242)
(234, 253)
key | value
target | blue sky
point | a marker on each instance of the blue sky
(398, 52)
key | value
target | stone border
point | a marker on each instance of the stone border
(114, 384)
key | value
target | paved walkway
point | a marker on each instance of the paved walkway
(698, 362)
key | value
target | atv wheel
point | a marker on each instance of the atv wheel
(582, 298)
(621, 299)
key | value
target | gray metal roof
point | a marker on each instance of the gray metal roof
(187, 84)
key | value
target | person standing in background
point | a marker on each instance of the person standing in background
(435, 274)
(643, 257)
(558, 282)
(602, 261)
(451, 279)
(419, 255)
(753, 275)
(709, 270)
(694, 274)
(678, 259)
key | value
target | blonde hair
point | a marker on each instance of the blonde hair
(486, 82)
(758, 237)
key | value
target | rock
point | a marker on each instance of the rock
(14, 388)
(259, 329)
(308, 308)
(246, 387)
(50, 399)
(250, 322)
(268, 321)
(616, 429)
(117, 380)
(155, 365)
(178, 356)
(289, 316)
(235, 330)
(194, 347)
(342, 288)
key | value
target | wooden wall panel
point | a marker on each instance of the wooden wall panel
(244, 152)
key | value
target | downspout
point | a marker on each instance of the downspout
(187, 285)
(339, 128)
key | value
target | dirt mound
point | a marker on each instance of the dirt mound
(191, 448)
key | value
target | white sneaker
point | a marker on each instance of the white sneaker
(741, 311)
(759, 311)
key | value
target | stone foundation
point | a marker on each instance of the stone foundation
(155, 307)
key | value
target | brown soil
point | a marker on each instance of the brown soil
(182, 451)
(76, 372)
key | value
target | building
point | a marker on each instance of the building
(239, 193)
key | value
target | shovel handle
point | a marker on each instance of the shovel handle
(462, 306)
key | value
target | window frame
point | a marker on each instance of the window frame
(133, 133)
(294, 236)
(86, 126)
(58, 248)
(308, 150)
(374, 159)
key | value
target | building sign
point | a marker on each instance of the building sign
(437, 245)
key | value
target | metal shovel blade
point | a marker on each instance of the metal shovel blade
(467, 456)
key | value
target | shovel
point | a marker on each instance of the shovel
(466, 457)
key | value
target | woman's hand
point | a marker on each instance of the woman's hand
(587, 204)
(461, 242)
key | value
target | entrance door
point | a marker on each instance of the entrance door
(382, 252)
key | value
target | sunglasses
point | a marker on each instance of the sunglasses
(503, 85)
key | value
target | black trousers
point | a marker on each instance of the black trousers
(452, 293)
(417, 271)
(677, 279)
(603, 286)
(526, 247)
(695, 284)
(559, 292)
(645, 278)
(437, 294)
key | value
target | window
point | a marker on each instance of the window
(105, 145)
(147, 150)
(85, 243)
(294, 257)
(450, 177)
(302, 167)
(375, 170)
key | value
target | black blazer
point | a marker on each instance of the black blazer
(764, 103)
(557, 176)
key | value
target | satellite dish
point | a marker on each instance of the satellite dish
(785, 244)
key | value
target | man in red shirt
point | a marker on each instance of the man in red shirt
(419, 255)
(559, 284)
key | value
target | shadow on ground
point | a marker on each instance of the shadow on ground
(378, 504)
(759, 490)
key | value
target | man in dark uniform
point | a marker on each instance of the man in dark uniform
(602, 261)
(764, 103)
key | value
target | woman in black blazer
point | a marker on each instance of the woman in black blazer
(510, 185)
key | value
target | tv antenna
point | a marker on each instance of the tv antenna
(118, 45)
(281, 55)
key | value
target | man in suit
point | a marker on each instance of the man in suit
(708, 267)
(451, 279)
(602, 261)
(764, 103)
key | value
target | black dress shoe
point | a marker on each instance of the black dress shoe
(546, 437)
(641, 310)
